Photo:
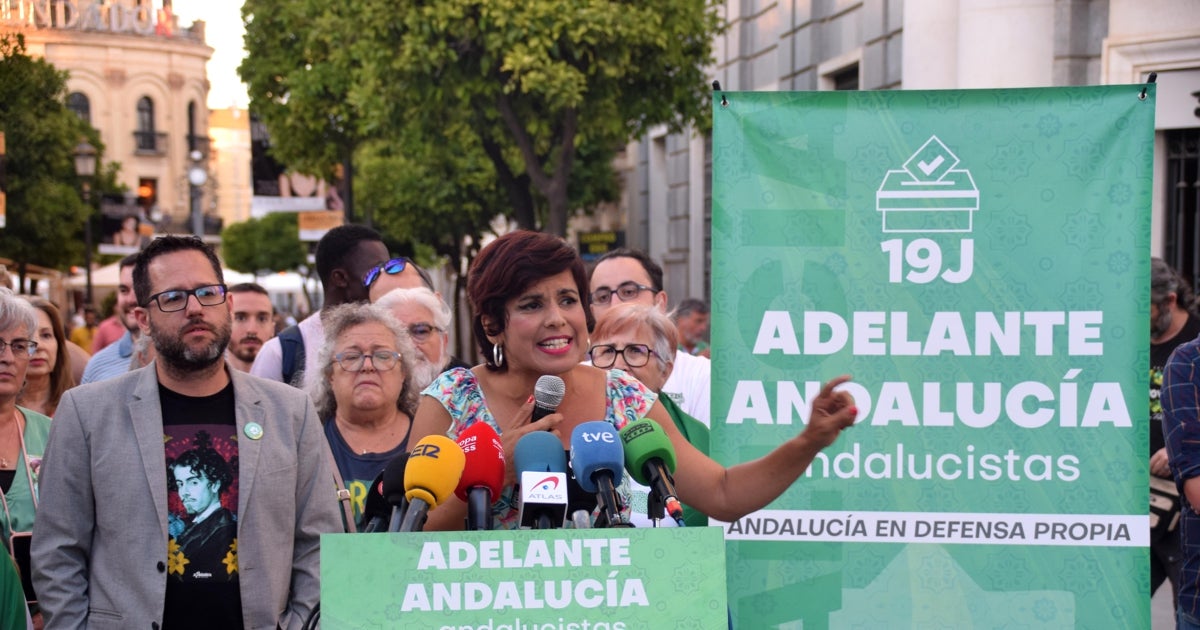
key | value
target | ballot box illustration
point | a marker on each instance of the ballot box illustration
(929, 194)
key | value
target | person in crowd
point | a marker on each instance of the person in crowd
(344, 255)
(427, 319)
(628, 275)
(526, 291)
(642, 341)
(113, 359)
(366, 394)
(691, 318)
(84, 334)
(23, 432)
(395, 273)
(1171, 324)
(253, 323)
(111, 328)
(104, 550)
(49, 373)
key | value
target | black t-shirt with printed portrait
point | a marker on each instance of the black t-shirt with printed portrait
(200, 438)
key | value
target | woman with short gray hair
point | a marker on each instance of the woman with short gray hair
(23, 432)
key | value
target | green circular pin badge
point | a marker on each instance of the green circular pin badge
(253, 430)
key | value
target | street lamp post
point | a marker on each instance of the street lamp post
(197, 176)
(85, 169)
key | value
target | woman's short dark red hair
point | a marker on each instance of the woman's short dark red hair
(508, 266)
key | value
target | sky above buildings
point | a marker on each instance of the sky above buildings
(223, 31)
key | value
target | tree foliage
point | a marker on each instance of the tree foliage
(271, 243)
(552, 82)
(464, 109)
(46, 214)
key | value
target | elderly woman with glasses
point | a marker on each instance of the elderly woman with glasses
(23, 432)
(527, 293)
(365, 395)
(641, 340)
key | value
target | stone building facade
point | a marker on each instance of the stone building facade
(140, 79)
(922, 44)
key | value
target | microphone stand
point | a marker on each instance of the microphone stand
(606, 500)
(479, 509)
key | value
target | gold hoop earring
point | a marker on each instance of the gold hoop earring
(497, 355)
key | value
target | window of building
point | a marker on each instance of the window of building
(78, 102)
(1182, 239)
(145, 135)
(845, 79)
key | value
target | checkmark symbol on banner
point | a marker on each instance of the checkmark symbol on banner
(931, 166)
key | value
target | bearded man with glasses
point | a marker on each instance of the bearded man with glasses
(111, 546)
(628, 276)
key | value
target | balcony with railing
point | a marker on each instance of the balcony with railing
(149, 143)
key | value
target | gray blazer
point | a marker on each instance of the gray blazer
(99, 548)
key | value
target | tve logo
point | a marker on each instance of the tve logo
(596, 437)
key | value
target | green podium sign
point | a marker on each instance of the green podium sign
(600, 579)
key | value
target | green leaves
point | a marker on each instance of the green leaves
(45, 215)
(524, 94)
(270, 243)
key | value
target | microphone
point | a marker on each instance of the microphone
(597, 460)
(541, 466)
(434, 467)
(483, 474)
(392, 488)
(375, 508)
(650, 460)
(548, 393)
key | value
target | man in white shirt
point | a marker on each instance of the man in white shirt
(630, 276)
(344, 256)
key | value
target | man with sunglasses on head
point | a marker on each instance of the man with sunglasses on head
(109, 547)
(344, 257)
(628, 276)
(396, 273)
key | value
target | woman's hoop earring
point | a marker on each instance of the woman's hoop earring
(497, 355)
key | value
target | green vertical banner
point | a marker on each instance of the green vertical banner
(978, 261)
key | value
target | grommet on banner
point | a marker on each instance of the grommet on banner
(717, 88)
(1153, 77)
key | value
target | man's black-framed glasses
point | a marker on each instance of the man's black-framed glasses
(177, 299)
(353, 360)
(604, 355)
(625, 291)
(391, 267)
(19, 347)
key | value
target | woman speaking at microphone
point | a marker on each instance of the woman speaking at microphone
(527, 292)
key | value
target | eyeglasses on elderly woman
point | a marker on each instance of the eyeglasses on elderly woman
(353, 360)
(23, 348)
(604, 355)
